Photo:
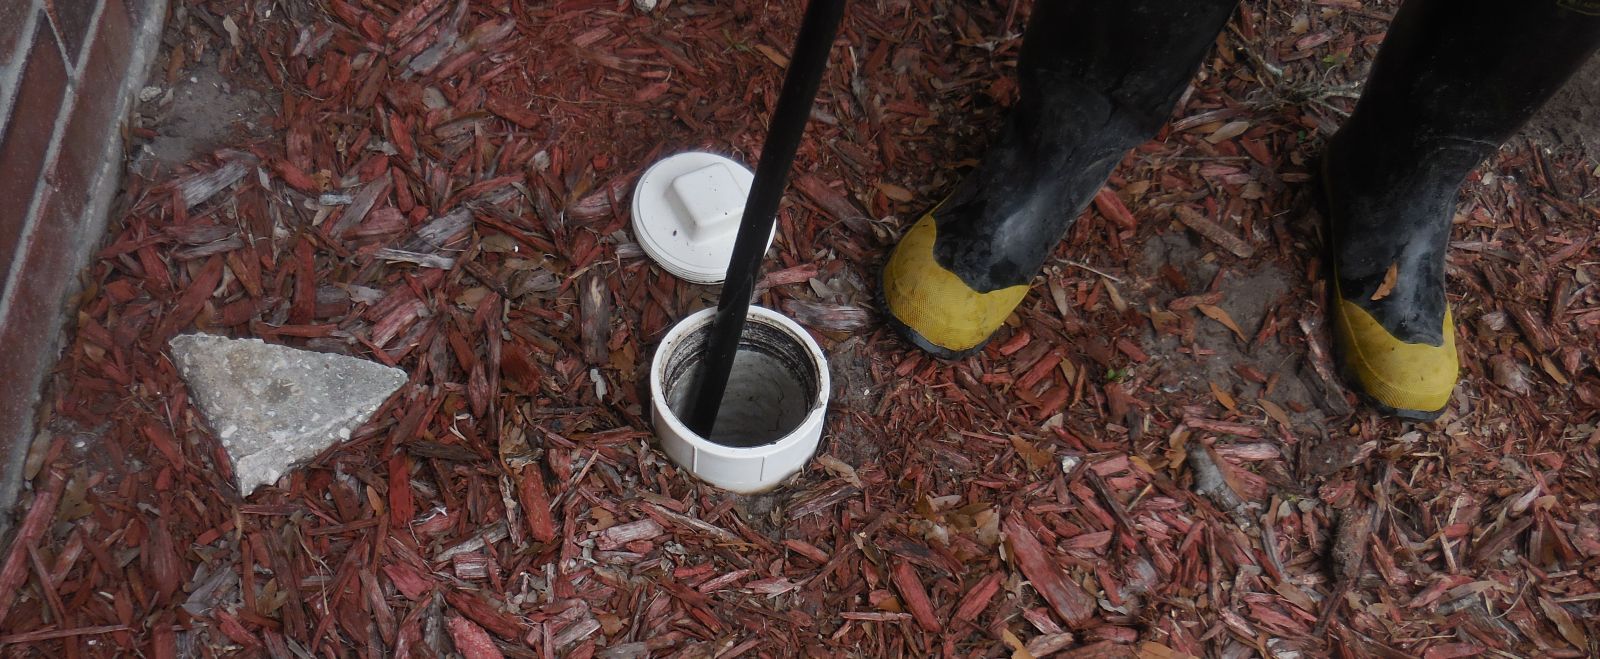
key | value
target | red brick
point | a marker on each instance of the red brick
(13, 20)
(33, 317)
(49, 256)
(27, 138)
(71, 19)
(83, 140)
(49, 260)
(113, 42)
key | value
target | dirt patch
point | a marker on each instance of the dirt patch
(850, 368)
(1248, 298)
(1572, 118)
(764, 513)
(856, 393)
(202, 110)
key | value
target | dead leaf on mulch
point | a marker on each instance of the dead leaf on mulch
(1218, 314)
(1036, 458)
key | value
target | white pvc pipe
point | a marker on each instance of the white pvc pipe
(772, 415)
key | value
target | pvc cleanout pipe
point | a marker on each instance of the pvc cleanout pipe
(800, 83)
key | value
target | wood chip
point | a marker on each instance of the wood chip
(1069, 600)
(915, 596)
(1213, 232)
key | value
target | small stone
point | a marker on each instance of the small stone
(644, 6)
(274, 406)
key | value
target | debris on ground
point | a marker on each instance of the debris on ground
(444, 189)
(273, 406)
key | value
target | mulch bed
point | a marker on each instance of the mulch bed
(1141, 464)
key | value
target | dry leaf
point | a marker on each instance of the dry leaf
(1510, 374)
(1141, 465)
(1216, 313)
(471, 297)
(1223, 397)
(1569, 628)
(1228, 131)
(1389, 279)
(1031, 454)
(1059, 296)
(1018, 650)
(1154, 650)
(1116, 296)
(773, 55)
(895, 192)
(1177, 451)
(840, 468)
(1069, 370)
(1275, 412)
(1551, 370)
(602, 519)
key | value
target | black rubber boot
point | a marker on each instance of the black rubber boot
(1097, 78)
(1453, 80)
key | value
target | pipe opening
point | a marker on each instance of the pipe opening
(772, 388)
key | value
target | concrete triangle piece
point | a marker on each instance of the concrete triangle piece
(274, 406)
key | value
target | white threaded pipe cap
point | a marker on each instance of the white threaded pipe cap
(772, 414)
(686, 213)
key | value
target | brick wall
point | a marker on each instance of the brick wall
(68, 71)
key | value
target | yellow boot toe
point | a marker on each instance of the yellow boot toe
(932, 306)
(1410, 380)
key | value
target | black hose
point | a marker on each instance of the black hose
(806, 65)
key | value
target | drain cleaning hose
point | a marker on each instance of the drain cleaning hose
(800, 83)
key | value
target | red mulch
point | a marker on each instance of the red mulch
(1154, 458)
